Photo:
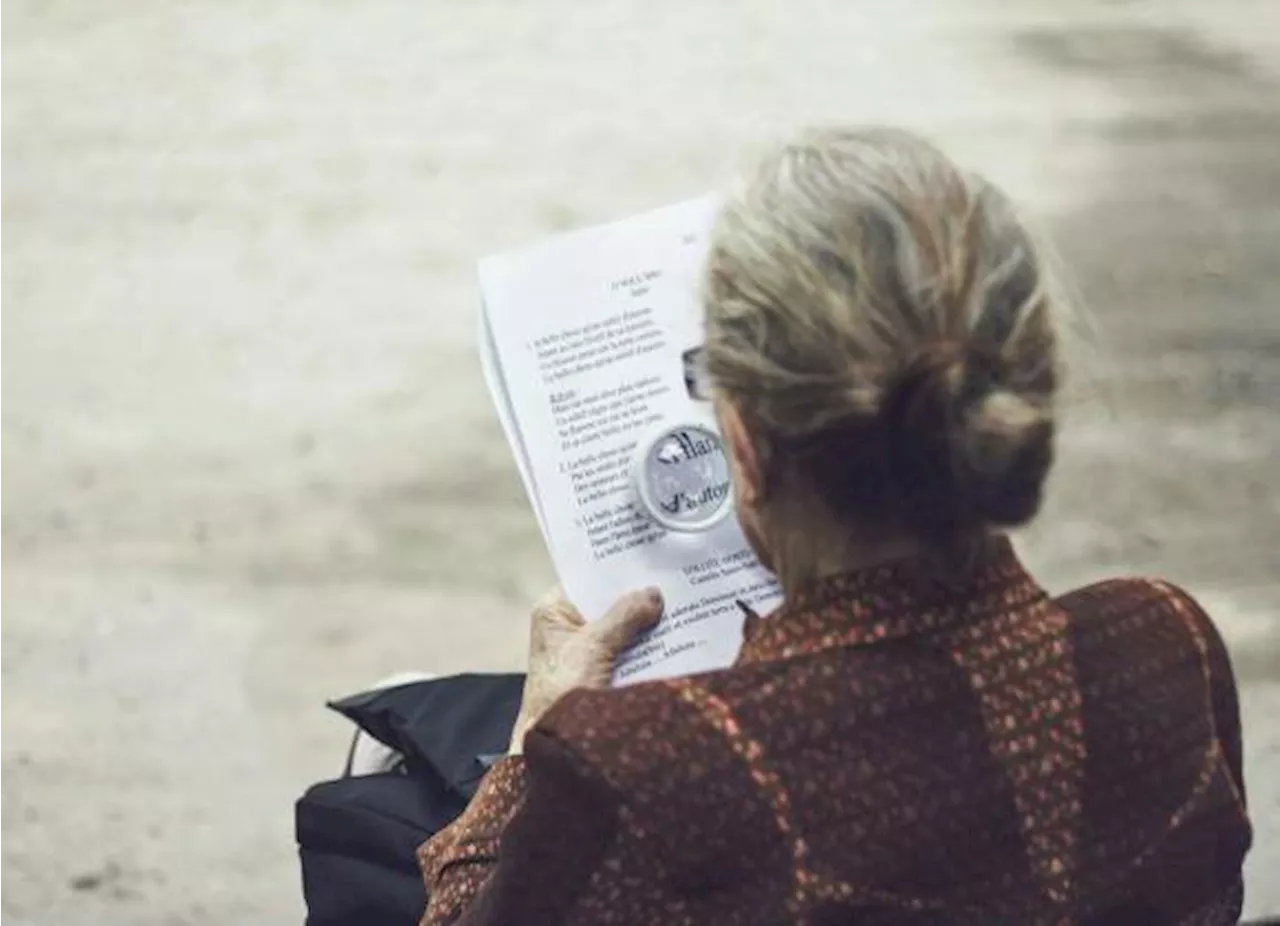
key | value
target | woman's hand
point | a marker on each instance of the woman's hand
(565, 652)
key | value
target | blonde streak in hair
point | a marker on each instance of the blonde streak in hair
(1029, 345)
(941, 304)
(882, 330)
(734, 297)
(810, 312)
(966, 257)
(873, 329)
(750, 245)
(923, 263)
(1033, 311)
(1010, 409)
(1010, 405)
(760, 362)
(923, 259)
(754, 364)
(870, 327)
(935, 305)
(786, 296)
(793, 256)
(864, 320)
(1059, 303)
(811, 189)
(989, 279)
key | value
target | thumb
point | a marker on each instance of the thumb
(632, 614)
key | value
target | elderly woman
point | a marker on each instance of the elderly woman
(920, 734)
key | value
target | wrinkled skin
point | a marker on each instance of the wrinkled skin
(566, 652)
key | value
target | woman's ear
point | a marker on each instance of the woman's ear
(744, 459)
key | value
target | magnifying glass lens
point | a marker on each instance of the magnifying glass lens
(682, 478)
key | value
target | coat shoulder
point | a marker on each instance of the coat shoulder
(685, 778)
(1146, 601)
(666, 730)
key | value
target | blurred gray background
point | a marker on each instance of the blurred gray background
(249, 460)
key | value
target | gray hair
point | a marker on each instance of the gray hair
(884, 322)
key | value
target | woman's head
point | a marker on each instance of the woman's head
(880, 338)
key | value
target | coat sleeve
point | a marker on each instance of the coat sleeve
(457, 861)
(527, 846)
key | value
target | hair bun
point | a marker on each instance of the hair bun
(1001, 452)
(962, 448)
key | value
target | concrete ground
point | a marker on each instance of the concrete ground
(249, 460)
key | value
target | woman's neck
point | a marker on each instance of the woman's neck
(801, 557)
(803, 543)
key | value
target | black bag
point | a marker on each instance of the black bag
(358, 836)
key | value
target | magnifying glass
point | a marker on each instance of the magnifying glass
(681, 475)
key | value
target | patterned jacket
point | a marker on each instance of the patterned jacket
(887, 749)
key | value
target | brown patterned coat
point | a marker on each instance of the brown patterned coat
(886, 750)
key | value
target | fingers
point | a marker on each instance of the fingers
(555, 608)
(628, 618)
